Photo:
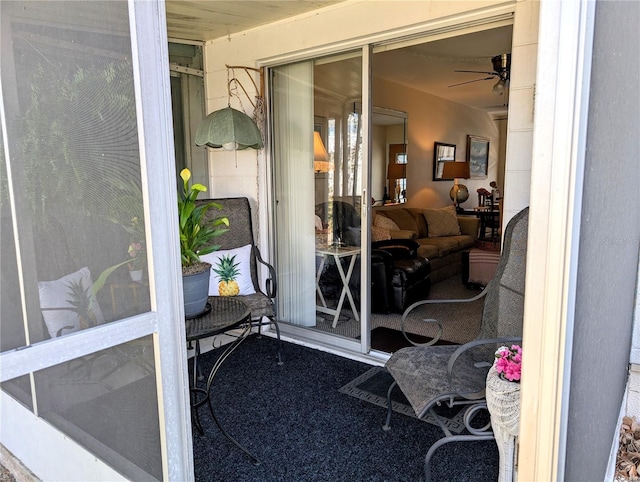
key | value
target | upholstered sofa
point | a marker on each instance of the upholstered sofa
(441, 234)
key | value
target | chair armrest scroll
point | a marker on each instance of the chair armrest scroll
(433, 302)
(271, 283)
(480, 295)
(433, 341)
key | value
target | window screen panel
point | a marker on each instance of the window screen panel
(73, 228)
(107, 402)
(75, 164)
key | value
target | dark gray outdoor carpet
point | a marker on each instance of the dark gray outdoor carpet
(298, 424)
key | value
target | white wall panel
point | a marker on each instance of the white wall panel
(519, 148)
(528, 23)
(522, 66)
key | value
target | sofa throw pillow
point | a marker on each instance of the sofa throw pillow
(67, 292)
(230, 272)
(381, 221)
(442, 222)
(402, 218)
(379, 234)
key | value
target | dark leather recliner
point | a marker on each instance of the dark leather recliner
(399, 277)
(344, 220)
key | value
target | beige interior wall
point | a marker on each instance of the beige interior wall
(432, 119)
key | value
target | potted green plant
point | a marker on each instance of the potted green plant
(196, 234)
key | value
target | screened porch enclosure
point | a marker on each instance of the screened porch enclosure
(77, 259)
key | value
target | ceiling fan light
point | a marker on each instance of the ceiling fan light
(498, 89)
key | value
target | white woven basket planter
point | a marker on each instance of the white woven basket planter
(503, 402)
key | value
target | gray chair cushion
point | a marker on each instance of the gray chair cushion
(422, 375)
(259, 304)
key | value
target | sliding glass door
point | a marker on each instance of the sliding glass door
(319, 176)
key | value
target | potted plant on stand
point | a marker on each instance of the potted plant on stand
(195, 236)
(503, 403)
(136, 264)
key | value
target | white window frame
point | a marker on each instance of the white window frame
(561, 107)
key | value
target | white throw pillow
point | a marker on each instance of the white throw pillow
(56, 294)
(241, 257)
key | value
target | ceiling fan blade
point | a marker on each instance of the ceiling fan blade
(478, 72)
(470, 81)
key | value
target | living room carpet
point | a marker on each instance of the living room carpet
(390, 340)
(461, 321)
(372, 387)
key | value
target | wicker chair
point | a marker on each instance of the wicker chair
(261, 303)
(431, 375)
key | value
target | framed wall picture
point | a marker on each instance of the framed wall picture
(478, 156)
(442, 153)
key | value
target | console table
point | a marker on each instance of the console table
(488, 218)
(222, 314)
(325, 253)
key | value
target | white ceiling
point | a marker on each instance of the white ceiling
(211, 19)
(428, 67)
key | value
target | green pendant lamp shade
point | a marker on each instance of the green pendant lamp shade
(230, 129)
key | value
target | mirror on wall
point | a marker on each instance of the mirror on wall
(389, 155)
(442, 153)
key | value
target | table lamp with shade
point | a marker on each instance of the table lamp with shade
(320, 156)
(457, 170)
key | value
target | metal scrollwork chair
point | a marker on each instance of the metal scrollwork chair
(455, 375)
(240, 234)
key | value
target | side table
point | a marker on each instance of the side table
(326, 252)
(488, 219)
(127, 296)
(221, 315)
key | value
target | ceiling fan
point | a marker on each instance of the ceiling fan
(501, 67)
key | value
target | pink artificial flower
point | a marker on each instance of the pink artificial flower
(509, 362)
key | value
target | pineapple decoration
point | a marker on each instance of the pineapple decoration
(227, 270)
(82, 302)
